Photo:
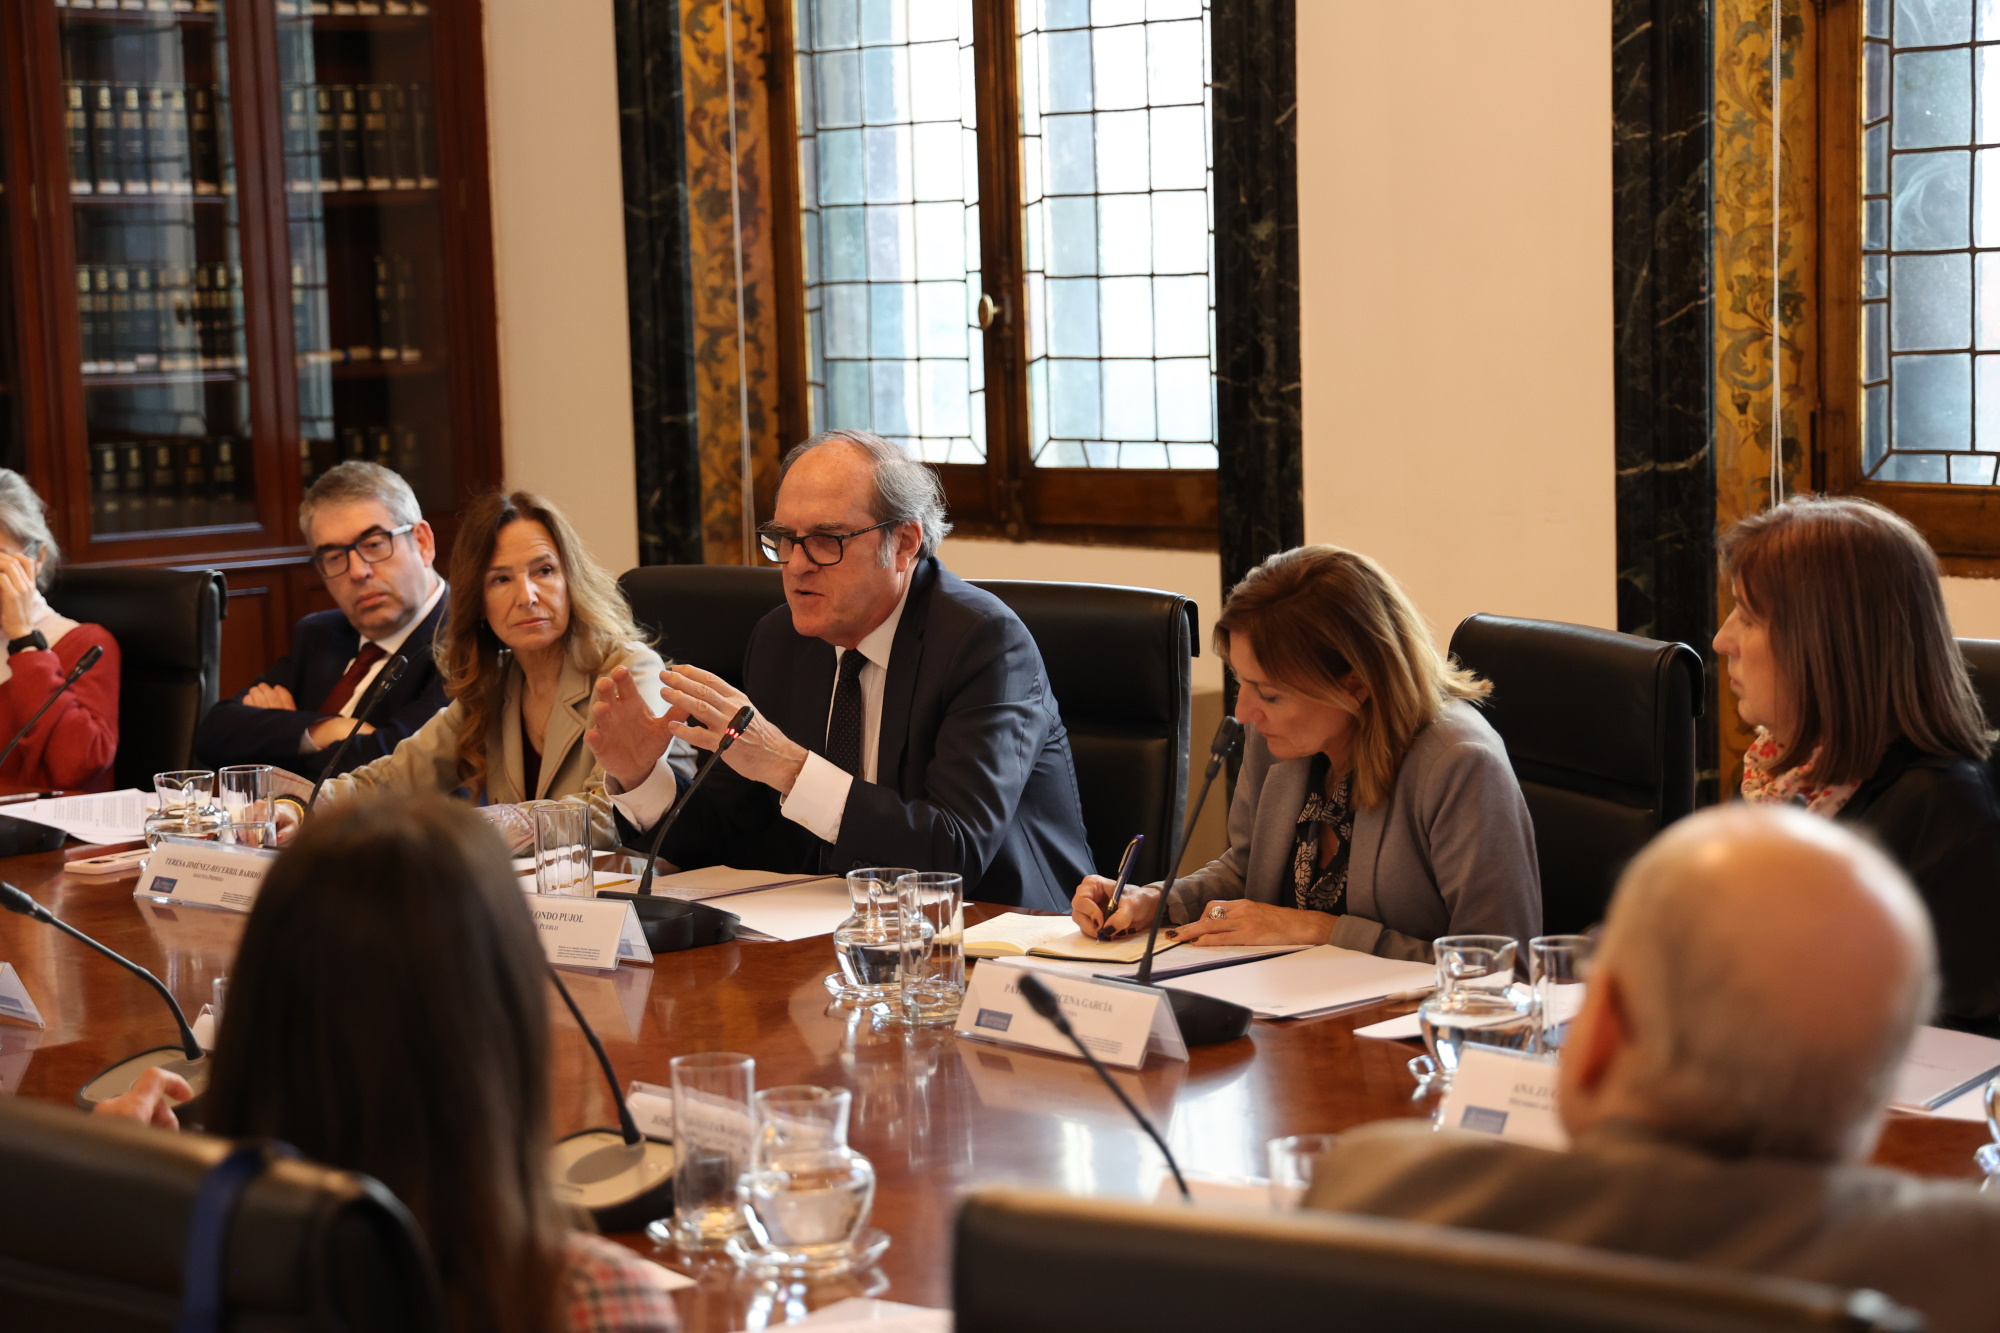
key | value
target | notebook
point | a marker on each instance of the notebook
(1015, 934)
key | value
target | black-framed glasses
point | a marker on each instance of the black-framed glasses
(375, 546)
(822, 548)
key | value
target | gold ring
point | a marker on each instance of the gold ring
(1216, 913)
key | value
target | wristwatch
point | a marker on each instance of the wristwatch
(32, 639)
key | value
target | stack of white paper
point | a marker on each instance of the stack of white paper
(1943, 1067)
(94, 817)
(1316, 981)
(792, 911)
(693, 886)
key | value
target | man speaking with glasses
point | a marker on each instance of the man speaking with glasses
(373, 550)
(904, 717)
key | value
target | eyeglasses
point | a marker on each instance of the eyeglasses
(375, 546)
(822, 548)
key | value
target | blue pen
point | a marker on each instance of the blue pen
(1124, 874)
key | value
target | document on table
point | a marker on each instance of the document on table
(94, 817)
(1015, 934)
(1315, 981)
(793, 911)
(693, 886)
(861, 1313)
(1942, 1066)
(1180, 963)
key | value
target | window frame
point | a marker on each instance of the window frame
(1008, 496)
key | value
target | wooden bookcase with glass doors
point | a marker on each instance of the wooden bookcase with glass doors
(241, 241)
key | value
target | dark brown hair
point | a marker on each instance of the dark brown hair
(388, 1014)
(470, 655)
(1863, 646)
(1315, 615)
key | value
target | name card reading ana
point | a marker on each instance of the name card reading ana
(595, 933)
(205, 874)
(1119, 1022)
(1508, 1094)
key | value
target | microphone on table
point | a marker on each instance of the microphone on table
(1043, 1001)
(1203, 1019)
(119, 1078)
(624, 1178)
(385, 680)
(22, 836)
(668, 923)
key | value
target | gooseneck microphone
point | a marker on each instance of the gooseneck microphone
(1043, 1001)
(385, 679)
(730, 734)
(83, 664)
(1203, 1020)
(120, 1077)
(624, 1178)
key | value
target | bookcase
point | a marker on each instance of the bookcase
(242, 241)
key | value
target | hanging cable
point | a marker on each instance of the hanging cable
(1777, 281)
(748, 525)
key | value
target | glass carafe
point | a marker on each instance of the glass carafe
(1476, 1000)
(807, 1194)
(865, 944)
(187, 809)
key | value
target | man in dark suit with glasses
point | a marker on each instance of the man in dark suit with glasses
(374, 552)
(904, 717)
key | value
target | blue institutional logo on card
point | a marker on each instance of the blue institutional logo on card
(162, 886)
(994, 1019)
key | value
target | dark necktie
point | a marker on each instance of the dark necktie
(843, 725)
(343, 689)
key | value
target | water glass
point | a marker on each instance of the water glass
(562, 849)
(1476, 1000)
(1290, 1162)
(1556, 966)
(865, 944)
(712, 1142)
(807, 1194)
(1987, 1155)
(930, 939)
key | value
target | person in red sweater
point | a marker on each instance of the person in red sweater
(71, 748)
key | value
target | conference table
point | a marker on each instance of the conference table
(935, 1113)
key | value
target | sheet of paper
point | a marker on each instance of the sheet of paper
(1941, 1066)
(1180, 963)
(1406, 1028)
(724, 881)
(1311, 982)
(859, 1312)
(795, 912)
(93, 817)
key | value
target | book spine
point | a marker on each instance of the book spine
(104, 138)
(423, 137)
(194, 487)
(301, 141)
(166, 151)
(76, 137)
(326, 125)
(348, 106)
(204, 150)
(237, 326)
(377, 150)
(202, 309)
(382, 448)
(388, 347)
(86, 319)
(104, 481)
(145, 321)
(121, 320)
(160, 484)
(402, 150)
(132, 139)
(132, 485)
(225, 471)
(176, 149)
(406, 310)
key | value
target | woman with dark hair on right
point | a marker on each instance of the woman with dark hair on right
(1842, 658)
(388, 1014)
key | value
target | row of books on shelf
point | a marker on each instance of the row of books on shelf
(400, 449)
(353, 323)
(359, 136)
(160, 318)
(143, 6)
(134, 139)
(337, 8)
(180, 482)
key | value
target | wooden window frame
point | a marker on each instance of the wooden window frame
(1962, 523)
(1008, 496)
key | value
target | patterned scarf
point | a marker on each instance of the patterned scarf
(1795, 787)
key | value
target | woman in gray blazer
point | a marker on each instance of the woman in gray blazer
(1375, 809)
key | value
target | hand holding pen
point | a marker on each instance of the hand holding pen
(1097, 898)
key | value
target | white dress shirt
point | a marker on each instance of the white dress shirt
(819, 796)
(389, 644)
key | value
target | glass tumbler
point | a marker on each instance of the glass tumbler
(187, 807)
(1476, 1000)
(244, 792)
(1556, 966)
(712, 1141)
(562, 849)
(865, 945)
(1290, 1161)
(807, 1195)
(930, 938)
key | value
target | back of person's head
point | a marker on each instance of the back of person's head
(356, 482)
(24, 517)
(906, 491)
(388, 1014)
(1858, 627)
(1770, 969)
(1313, 617)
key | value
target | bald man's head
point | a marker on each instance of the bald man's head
(1761, 974)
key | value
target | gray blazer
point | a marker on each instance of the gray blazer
(1451, 852)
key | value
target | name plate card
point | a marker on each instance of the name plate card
(1117, 1021)
(1507, 1094)
(205, 874)
(596, 933)
(14, 1001)
(652, 1108)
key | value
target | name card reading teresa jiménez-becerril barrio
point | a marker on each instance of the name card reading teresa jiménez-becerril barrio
(1118, 1021)
(595, 933)
(205, 874)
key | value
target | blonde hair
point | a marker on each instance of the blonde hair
(1315, 616)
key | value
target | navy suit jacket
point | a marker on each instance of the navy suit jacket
(322, 645)
(973, 773)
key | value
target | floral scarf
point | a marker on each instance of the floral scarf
(1795, 787)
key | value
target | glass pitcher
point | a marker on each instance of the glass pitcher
(1476, 1000)
(865, 944)
(807, 1194)
(187, 809)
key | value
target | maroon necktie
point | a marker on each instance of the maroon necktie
(343, 689)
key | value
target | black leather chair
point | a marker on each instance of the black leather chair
(1118, 660)
(1982, 660)
(168, 624)
(1061, 1264)
(1600, 728)
(94, 1220)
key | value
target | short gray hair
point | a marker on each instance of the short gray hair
(355, 481)
(25, 518)
(906, 491)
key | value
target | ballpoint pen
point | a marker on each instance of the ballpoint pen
(1124, 875)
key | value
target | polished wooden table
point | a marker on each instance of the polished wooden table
(934, 1113)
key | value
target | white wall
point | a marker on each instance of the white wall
(1455, 266)
(559, 265)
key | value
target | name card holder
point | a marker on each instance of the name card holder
(204, 874)
(14, 1001)
(652, 1108)
(1508, 1094)
(592, 933)
(1119, 1022)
